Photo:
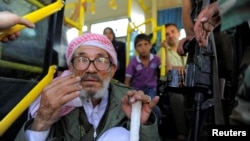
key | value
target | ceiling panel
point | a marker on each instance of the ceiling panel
(164, 4)
(104, 12)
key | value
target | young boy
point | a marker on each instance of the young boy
(141, 73)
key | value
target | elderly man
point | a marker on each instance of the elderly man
(83, 104)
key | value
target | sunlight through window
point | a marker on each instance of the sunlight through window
(119, 26)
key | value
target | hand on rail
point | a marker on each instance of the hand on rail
(208, 19)
(8, 20)
(181, 50)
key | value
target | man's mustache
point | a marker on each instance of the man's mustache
(91, 76)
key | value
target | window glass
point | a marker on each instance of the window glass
(183, 34)
(24, 57)
(21, 62)
(73, 33)
(119, 26)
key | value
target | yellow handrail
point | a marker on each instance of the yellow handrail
(129, 8)
(35, 17)
(162, 49)
(163, 52)
(80, 22)
(77, 24)
(8, 120)
(128, 44)
(152, 21)
(19, 66)
(143, 6)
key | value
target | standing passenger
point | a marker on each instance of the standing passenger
(224, 41)
(176, 62)
(120, 48)
(231, 14)
(141, 73)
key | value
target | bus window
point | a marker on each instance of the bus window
(24, 61)
(119, 26)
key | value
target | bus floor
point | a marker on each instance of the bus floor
(166, 127)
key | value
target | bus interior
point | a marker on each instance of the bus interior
(30, 62)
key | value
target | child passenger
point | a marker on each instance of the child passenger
(141, 73)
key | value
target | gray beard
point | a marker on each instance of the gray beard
(99, 94)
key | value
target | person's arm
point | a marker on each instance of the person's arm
(8, 20)
(129, 73)
(187, 24)
(76, 12)
(74, 16)
(127, 81)
(186, 17)
(49, 107)
(25, 134)
(207, 20)
(53, 97)
(168, 65)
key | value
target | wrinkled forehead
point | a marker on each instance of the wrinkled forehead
(90, 51)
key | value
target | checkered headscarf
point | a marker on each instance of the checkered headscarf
(91, 39)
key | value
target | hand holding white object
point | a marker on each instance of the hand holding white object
(147, 105)
(135, 121)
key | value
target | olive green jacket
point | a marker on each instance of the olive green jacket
(71, 128)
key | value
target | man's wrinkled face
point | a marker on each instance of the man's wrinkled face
(93, 81)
